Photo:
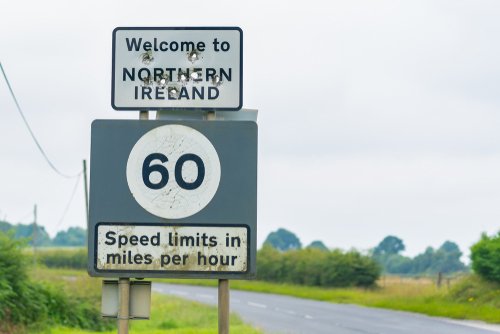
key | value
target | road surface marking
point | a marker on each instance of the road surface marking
(204, 296)
(257, 305)
(476, 324)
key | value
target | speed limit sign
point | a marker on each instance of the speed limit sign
(173, 199)
(173, 171)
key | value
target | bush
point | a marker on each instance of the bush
(24, 303)
(13, 281)
(485, 256)
(316, 267)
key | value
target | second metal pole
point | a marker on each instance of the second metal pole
(223, 306)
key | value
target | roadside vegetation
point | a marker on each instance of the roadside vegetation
(34, 304)
(36, 299)
(316, 267)
(486, 257)
(314, 272)
(298, 272)
(169, 314)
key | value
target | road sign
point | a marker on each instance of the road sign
(192, 180)
(177, 68)
(173, 199)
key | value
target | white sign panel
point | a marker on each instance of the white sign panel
(177, 68)
(157, 247)
(173, 171)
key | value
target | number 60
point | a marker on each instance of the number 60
(148, 168)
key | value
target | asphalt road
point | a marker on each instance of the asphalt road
(283, 314)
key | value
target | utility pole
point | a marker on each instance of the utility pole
(34, 233)
(85, 187)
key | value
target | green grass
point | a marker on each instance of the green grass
(174, 315)
(168, 314)
(469, 298)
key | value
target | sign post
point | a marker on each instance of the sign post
(123, 304)
(177, 196)
(223, 306)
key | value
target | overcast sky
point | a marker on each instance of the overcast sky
(375, 117)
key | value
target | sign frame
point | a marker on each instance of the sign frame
(205, 28)
(112, 202)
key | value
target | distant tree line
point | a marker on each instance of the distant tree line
(282, 259)
(73, 236)
(445, 259)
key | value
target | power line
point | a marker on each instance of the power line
(70, 201)
(28, 214)
(31, 132)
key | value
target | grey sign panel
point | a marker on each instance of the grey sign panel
(177, 68)
(173, 199)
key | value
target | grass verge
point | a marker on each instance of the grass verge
(174, 315)
(168, 314)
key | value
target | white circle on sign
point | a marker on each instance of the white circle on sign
(173, 171)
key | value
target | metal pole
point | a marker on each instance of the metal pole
(85, 187)
(123, 305)
(124, 284)
(223, 300)
(223, 306)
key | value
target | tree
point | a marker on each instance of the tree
(450, 247)
(447, 259)
(485, 257)
(74, 236)
(390, 245)
(283, 240)
(396, 264)
(317, 244)
(25, 231)
(4, 226)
